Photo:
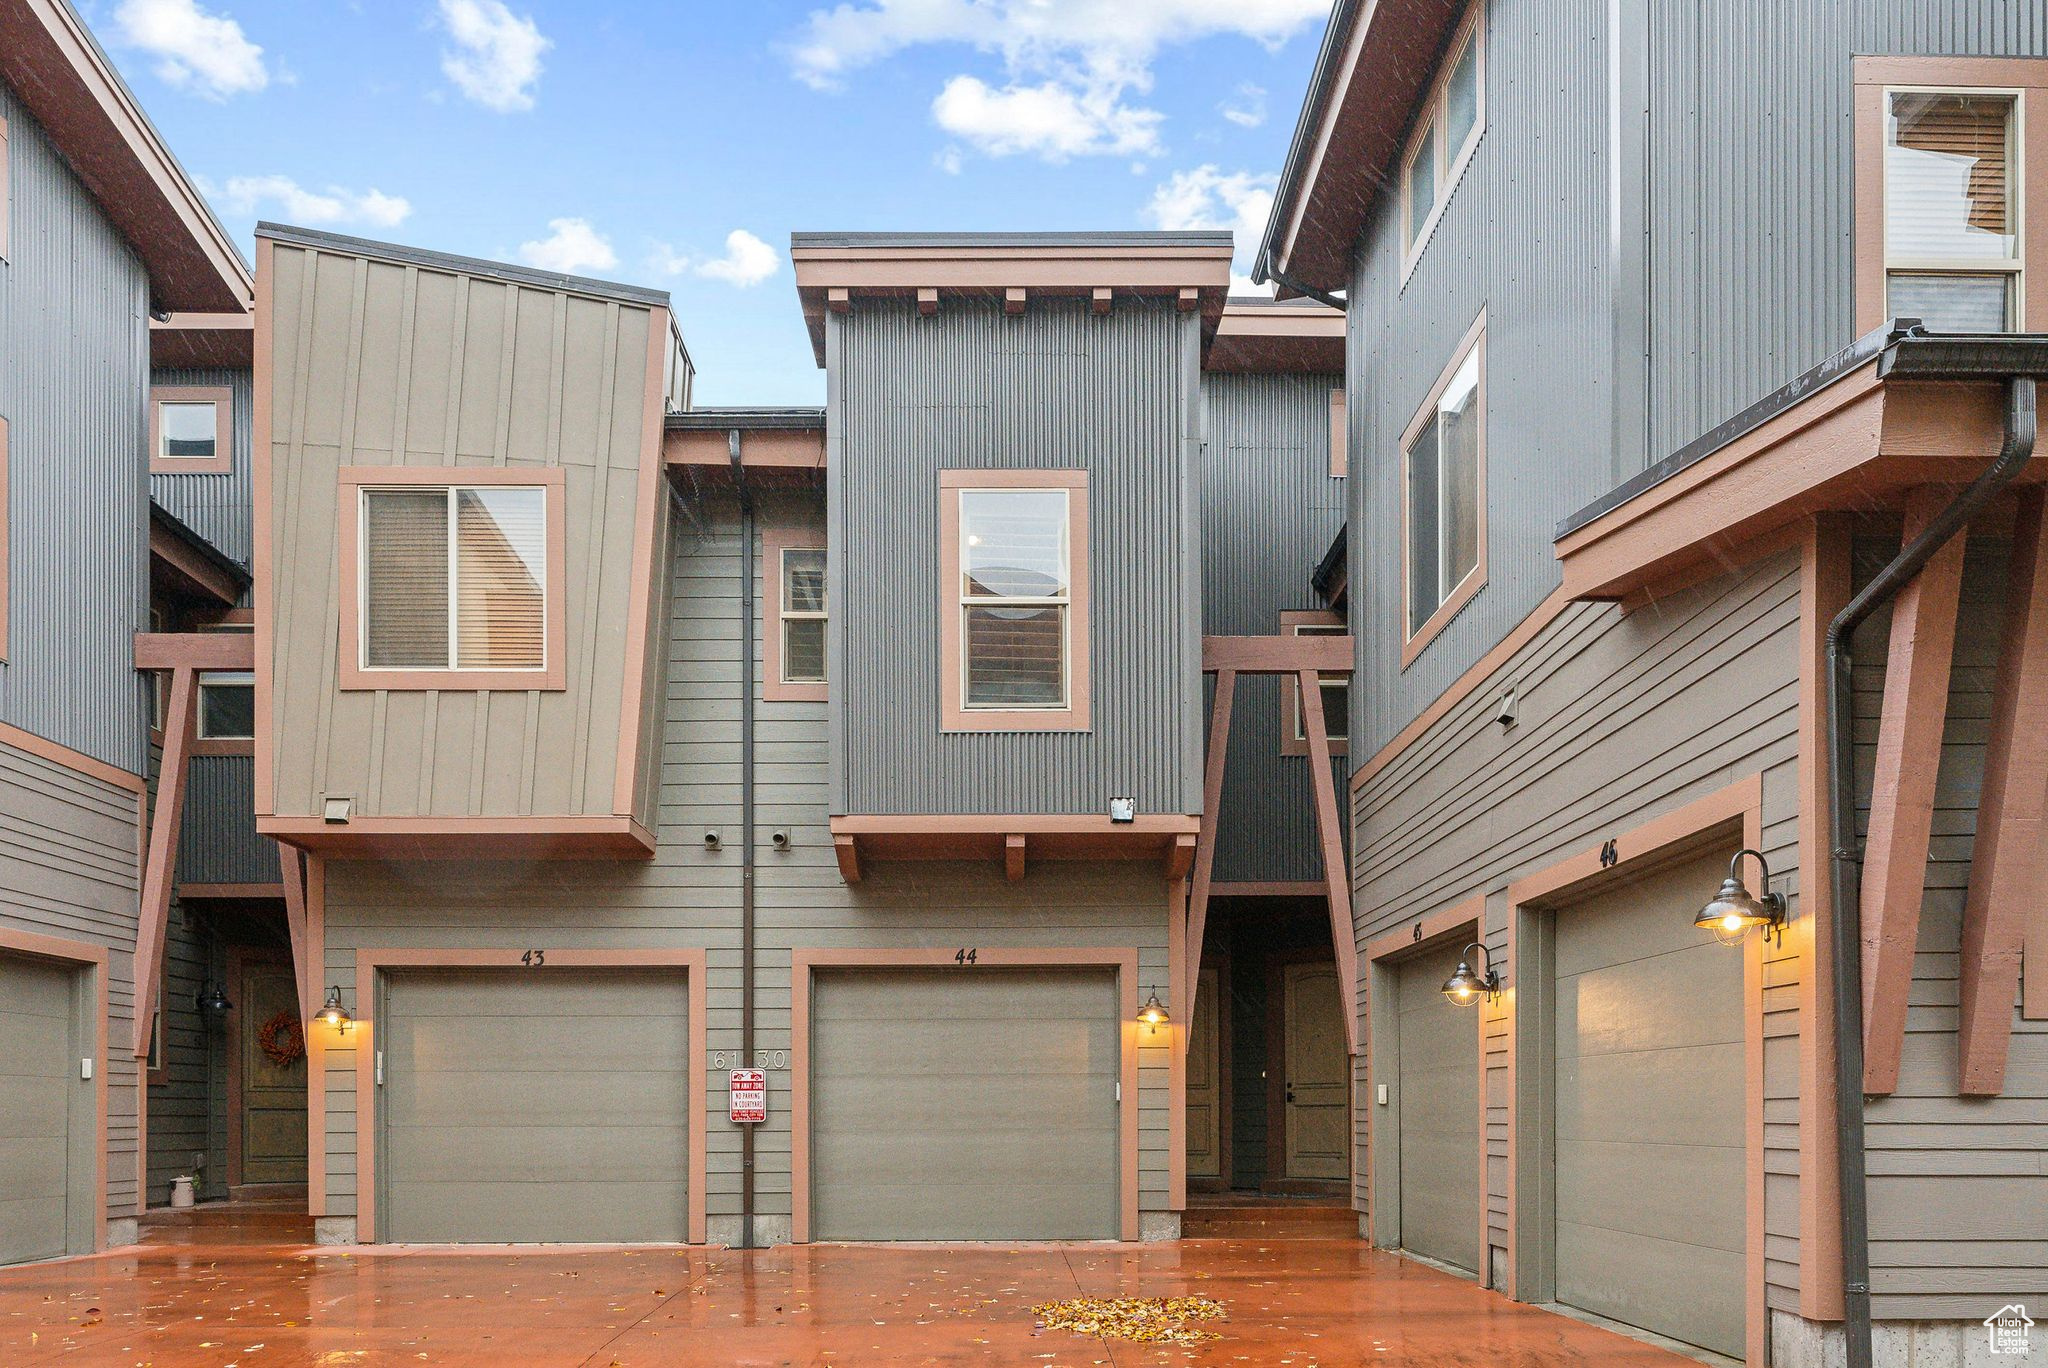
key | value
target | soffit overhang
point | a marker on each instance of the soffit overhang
(1267, 336)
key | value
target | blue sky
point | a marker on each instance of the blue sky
(678, 145)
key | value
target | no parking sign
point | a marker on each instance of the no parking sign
(747, 1095)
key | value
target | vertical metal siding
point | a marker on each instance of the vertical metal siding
(1269, 512)
(74, 364)
(216, 506)
(1057, 388)
(219, 843)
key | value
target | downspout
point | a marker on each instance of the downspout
(1269, 271)
(1846, 861)
(746, 823)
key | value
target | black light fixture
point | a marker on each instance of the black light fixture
(1465, 987)
(1153, 1013)
(1734, 910)
(212, 1001)
(333, 1013)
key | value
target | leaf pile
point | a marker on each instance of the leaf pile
(1141, 1320)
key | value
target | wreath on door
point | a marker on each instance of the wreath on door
(282, 1040)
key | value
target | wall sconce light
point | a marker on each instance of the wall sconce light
(1735, 909)
(212, 1001)
(1153, 1013)
(333, 1013)
(1464, 987)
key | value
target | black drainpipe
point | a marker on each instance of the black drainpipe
(1846, 861)
(1270, 271)
(746, 824)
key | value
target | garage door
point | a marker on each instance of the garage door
(1650, 1204)
(1438, 1048)
(535, 1105)
(38, 1070)
(975, 1104)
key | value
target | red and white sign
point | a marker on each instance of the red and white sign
(747, 1095)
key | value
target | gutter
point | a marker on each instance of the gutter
(1329, 57)
(1266, 271)
(739, 474)
(1846, 861)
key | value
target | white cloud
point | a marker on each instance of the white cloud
(573, 248)
(310, 208)
(1207, 197)
(747, 261)
(1049, 120)
(496, 57)
(205, 53)
(1248, 110)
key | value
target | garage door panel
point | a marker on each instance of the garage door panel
(525, 1154)
(1612, 929)
(37, 1046)
(34, 1164)
(33, 1105)
(1438, 1114)
(1655, 1190)
(516, 1043)
(1626, 1007)
(45, 1193)
(36, 989)
(971, 1104)
(32, 1228)
(1601, 1095)
(1652, 1283)
(505, 1098)
(637, 1212)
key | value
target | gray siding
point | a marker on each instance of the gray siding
(1056, 388)
(68, 868)
(219, 843)
(1269, 512)
(74, 366)
(1957, 1186)
(218, 507)
(688, 897)
(1623, 717)
(188, 1110)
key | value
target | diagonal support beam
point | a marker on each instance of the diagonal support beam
(1336, 873)
(292, 862)
(2009, 865)
(1205, 850)
(161, 865)
(1916, 680)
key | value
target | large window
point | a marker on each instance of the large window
(456, 580)
(1015, 553)
(1446, 131)
(1951, 216)
(191, 430)
(1444, 455)
(794, 577)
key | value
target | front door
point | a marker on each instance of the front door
(272, 1125)
(1318, 1074)
(1205, 1096)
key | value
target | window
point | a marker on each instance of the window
(227, 706)
(1951, 223)
(794, 577)
(457, 583)
(1448, 128)
(1340, 437)
(1444, 453)
(5, 190)
(1336, 690)
(3, 529)
(191, 430)
(1015, 599)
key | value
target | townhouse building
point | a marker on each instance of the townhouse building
(1696, 520)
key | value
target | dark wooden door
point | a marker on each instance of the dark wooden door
(272, 1123)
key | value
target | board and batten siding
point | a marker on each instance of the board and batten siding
(688, 897)
(393, 363)
(1055, 388)
(74, 369)
(1958, 1186)
(70, 867)
(219, 506)
(1623, 717)
(1270, 510)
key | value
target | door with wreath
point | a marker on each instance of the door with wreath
(270, 1115)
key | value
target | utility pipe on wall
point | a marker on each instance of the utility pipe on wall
(746, 823)
(1846, 861)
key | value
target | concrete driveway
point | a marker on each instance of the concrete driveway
(260, 1304)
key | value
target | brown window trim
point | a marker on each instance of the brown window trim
(353, 677)
(1290, 692)
(222, 462)
(1340, 436)
(775, 541)
(953, 715)
(6, 190)
(1471, 28)
(1413, 643)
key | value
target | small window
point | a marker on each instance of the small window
(1444, 455)
(1452, 118)
(227, 706)
(190, 430)
(794, 668)
(1016, 588)
(1336, 689)
(1952, 245)
(454, 578)
(1336, 692)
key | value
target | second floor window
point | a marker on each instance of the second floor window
(1444, 454)
(227, 706)
(1951, 233)
(190, 430)
(454, 578)
(1448, 128)
(803, 614)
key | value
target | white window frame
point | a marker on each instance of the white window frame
(232, 678)
(1065, 600)
(1415, 636)
(450, 493)
(786, 615)
(2013, 268)
(1449, 166)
